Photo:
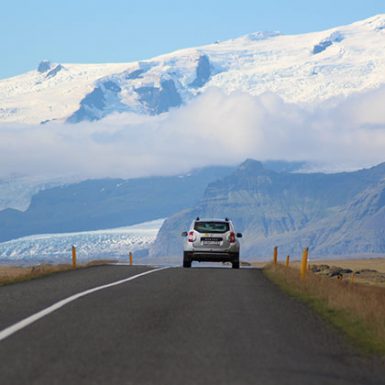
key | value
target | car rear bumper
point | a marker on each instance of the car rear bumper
(212, 256)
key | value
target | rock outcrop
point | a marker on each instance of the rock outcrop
(333, 214)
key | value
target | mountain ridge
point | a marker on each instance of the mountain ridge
(330, 213)
(106, 203)
(96, 204)
(302, 68)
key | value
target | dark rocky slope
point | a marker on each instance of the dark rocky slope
(341, 213)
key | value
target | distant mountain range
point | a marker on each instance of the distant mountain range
(333, 214)
(106, 203)
(272, 203)
(301, 68)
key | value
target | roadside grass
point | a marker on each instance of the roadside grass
(357, 310)
(377, 264)
(14, 274)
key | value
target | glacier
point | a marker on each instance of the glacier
(306, 68)
(100, 244)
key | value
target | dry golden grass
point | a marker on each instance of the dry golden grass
(356, 265)
(12, 274)
(358, 309)
(367, 272)
(353, 264)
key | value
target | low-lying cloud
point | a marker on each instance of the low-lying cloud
(215, 128)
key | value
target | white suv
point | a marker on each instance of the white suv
(211, 240)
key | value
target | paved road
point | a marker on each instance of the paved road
(175, 326)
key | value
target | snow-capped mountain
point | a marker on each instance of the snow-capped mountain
(300, 68)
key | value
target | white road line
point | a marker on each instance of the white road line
(33, 318)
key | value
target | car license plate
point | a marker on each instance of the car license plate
(216, 243)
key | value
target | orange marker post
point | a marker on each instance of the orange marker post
(305, 256)
(131, 258)
(275, 257)
(73, 257)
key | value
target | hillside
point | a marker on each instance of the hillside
(340, 214)
(107, 203)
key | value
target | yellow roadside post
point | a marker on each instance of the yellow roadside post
(287, 260)
(73, 257)
(131, 258)
(275, 257)
(305, 255)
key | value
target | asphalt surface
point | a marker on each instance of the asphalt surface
(175, 326)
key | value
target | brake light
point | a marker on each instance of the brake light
(191, 236)
(232, 237)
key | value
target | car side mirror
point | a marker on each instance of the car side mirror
(239, 235)
(184, 234)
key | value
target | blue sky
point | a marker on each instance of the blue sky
(96, 31)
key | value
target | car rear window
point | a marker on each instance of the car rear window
(211, 227)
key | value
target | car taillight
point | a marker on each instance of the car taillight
(191, 236)
(232, 237)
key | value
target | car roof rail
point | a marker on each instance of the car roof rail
(197, 219)
(227, 219)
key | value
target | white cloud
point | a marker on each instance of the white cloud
(213, 129)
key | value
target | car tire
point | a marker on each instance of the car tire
(186, 260)
(235, 262)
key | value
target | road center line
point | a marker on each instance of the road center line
(35, 317)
